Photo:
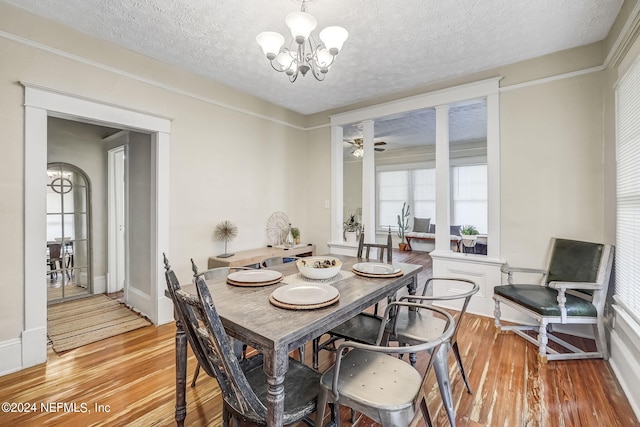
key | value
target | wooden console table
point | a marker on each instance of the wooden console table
(254, 256)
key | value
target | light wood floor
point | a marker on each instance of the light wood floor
(129, 380)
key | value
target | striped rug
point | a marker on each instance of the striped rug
(73, 324)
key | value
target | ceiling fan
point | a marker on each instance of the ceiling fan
(357, 143)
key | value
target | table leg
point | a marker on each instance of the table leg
(181, 374)
(275, 367)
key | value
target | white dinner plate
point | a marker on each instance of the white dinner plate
(376, 268)
(305, 293)
(255, 276)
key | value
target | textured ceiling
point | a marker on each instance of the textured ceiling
(393, 45)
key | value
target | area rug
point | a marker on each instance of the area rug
(73, 324)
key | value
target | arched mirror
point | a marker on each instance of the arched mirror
(68, 233)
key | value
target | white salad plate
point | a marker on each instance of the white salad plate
(305, 293)
(254, 276)
(376, 268)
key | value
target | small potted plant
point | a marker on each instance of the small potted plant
(403, 226)
(351, 229)
(296, 235)
(469, 234)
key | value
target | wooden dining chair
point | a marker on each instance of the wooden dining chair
(365, 249)
(370, 380)
(54, 261)
(243, 382)
(239, 348)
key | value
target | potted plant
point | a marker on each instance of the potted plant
(351, 229)
(296, 235)
(403, 226)
(469, 234)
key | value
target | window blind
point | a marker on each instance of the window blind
(628, 190)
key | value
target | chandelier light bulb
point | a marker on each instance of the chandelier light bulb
(333, 38)
(301, 24)
(285, 60)
(324, 59)
(270, 42)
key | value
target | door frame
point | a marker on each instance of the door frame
(40, 103)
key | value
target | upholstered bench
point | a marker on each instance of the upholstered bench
(430, 236)
(424, 230)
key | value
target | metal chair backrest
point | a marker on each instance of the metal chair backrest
(211, 345)
(472, 289)
(364, 249)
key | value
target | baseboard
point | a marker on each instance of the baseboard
(624, 347)
(10, 356)
(139, 301)
(99, 284)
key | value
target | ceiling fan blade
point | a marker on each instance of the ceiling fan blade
(379, 149)
(380, 143)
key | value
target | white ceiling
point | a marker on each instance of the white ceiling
(393, 45)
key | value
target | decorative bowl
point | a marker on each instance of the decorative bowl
(319, 267)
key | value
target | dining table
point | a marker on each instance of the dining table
(249, 315)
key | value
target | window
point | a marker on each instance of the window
(393, 191)
(417, 187)
(628, 191)
(469, 196)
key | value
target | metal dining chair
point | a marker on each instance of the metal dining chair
(410, 327)
(370, 380)
(243, 382)
(363, 327)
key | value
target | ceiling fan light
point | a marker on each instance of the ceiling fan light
(334, 38)
(358, 152)
(270, 42)
(301, 24)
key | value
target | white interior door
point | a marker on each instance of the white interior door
(117, 219)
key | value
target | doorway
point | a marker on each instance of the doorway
(40, 104)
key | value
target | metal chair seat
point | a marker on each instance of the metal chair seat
(369, 379)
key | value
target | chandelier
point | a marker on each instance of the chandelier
(303, 54)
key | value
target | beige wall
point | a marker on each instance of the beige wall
(224, 164)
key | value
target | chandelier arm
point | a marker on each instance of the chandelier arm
(274, 67)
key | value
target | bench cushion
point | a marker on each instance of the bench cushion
(427, 236)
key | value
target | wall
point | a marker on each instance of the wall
(224, 163)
